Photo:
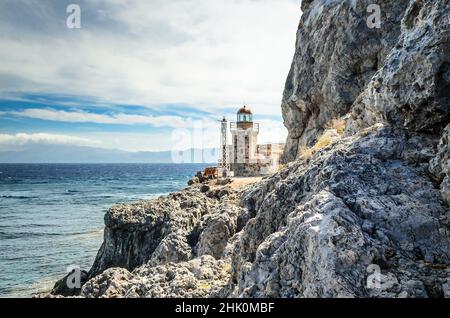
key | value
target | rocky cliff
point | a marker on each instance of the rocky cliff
(361, 208)
(398, 73)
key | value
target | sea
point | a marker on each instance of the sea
(52, 215)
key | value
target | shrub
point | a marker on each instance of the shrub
(306, 152)
(322, 142)
(338, 124)
(204, 285)
(227, 267)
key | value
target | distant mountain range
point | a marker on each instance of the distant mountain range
(79, 154)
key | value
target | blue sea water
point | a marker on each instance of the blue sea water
(51, 215)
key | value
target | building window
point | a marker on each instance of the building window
(247, 146)
(244, 118)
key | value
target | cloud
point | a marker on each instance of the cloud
(89, 117)
(209, 54)
(201, 135)
(177, 132)
(21, 139)
(271, 131)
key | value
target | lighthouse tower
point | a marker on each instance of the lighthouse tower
(244, 133)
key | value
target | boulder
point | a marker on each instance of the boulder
(193, 181)
(193, 279)
(224, 181)
(204, 188)
(67, 286)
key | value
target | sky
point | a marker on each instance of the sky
(147, 75)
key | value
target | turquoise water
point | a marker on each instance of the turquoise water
(51, 215)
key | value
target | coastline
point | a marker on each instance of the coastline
(319, 217)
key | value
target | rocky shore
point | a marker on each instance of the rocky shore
(361, 208)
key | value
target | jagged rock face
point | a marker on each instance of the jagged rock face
(193, 279)
(217, 230)
(318, 228)
(440, 165)
(336, 56)
(412, 89)
(320, 225)
(166, 230)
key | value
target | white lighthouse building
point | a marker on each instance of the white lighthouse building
(245, 156)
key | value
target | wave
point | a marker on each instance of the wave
(72, 192)
(19, 197)
(30, 225)
(16, 235)
(88, 234)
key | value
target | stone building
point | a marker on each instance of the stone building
(246, 157)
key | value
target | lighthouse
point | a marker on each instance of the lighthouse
(244, 137)
(245, 157)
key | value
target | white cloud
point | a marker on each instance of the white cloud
(88, 117)
(184, 133)
(207, 54)
(210, 54)
(201, 135)
(271, 131)
(21, 139)
(147, 141)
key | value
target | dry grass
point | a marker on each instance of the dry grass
(204, 285)
(306, 152)
(338, 124)
(227, 267)
(322, 142)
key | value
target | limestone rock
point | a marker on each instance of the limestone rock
(63, 286)
(360, 218)
(336, 56)
(322, 225)
(224, 181)
(112, 283)
(197, 278)
(219, 227)
(172, 248)
(163, 230)
(412, 89)
(204, 188)
(193, 181)
(440, 165)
